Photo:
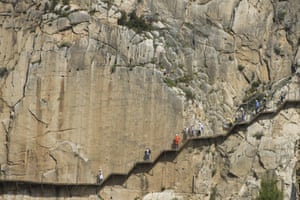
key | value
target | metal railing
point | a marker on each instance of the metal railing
(274, 106)
(271, 105)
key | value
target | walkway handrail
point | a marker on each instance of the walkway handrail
(291, 99)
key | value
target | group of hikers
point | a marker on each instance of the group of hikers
(147, 157)
(241, 114)
(198, 130)
(193, 130)
(260, 105)
(188, 131)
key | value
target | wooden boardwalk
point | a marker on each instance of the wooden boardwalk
(166, 155)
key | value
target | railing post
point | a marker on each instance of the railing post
(193, 185)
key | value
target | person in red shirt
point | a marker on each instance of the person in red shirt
(176, 141)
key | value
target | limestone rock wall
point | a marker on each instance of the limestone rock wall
(71, 105)
(230, 168)
(79, 92)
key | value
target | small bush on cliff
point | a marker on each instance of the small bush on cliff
(213, 193)
(241, 67)
(277, 50)
(3, 72)
(138, 23)
(65, 44)
(66, 2)
(189, 95)
(269, 190)
(185, 79)
(258, 135)
(134, 22)
(255, 84)
(281, 15)
(53, 4)
(169, 82)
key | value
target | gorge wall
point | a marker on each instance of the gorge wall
(65, 113)
(82, 90)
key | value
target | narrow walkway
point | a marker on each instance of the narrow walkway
(166, 155)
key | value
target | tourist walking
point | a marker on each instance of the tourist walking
(257, 106)
(282, 96)
(147, 154)
(100, 176)
(176, 141)
(201, 129)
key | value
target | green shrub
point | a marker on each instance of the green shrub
(3, 72)
(65, 44)
(241, 67)
(185, 79)
(123, 20)
(277, 50)
(189, 95)
(66, 2)
(213, 193)
(281, 15)
(258, 135)
(269, 190)
(189, 25)
(53, 4)
(137, 23)
(134, 22)
(169, 82)
(255, 84)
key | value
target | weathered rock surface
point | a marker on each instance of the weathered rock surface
(70, 104)
(79, 92)
(233, 168)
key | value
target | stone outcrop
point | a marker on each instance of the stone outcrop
(81, 89)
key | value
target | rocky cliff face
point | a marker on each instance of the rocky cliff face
(89, 84)
(70, 102)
